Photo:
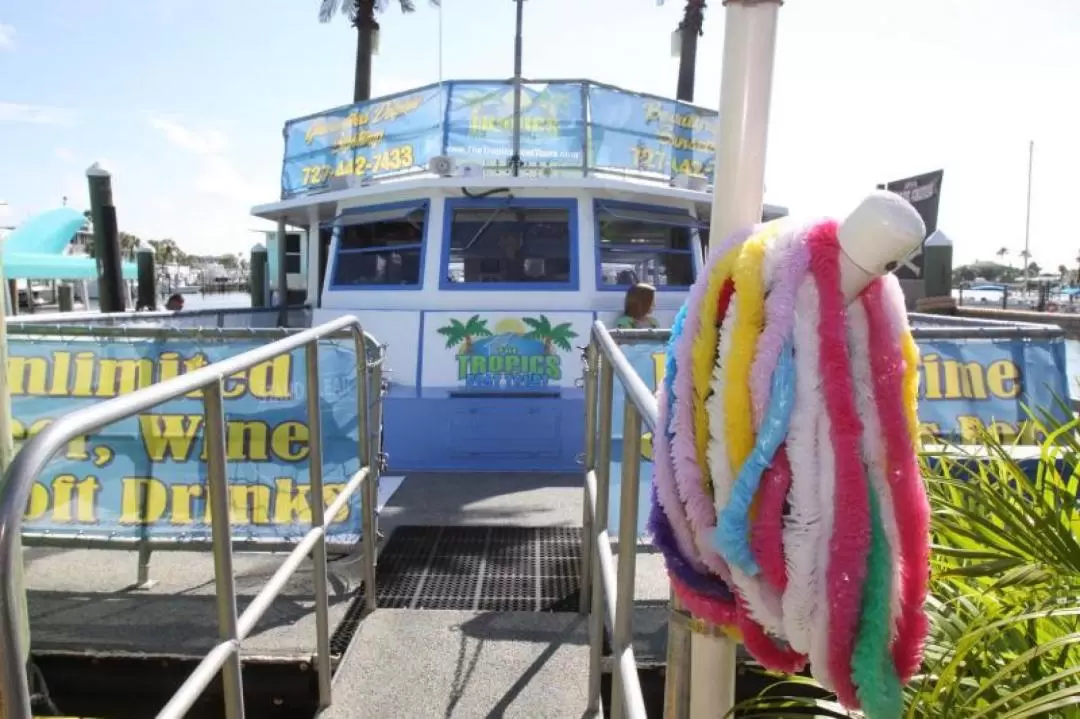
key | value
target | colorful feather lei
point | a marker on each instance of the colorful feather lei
(787, 499)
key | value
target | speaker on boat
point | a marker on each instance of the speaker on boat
(441, 165)
(683, 181)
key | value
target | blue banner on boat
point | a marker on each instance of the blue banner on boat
(151, 469)
(349, 145)
(650, 135)
(966, 387)
(565, 127)
(480, 123)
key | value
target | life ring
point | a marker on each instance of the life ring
(1052, 307)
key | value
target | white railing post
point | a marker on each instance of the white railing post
(217, 472)
(623, 635)
(317, 497)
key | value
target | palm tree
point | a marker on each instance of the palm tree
(361, 13)
(458, 333)
(1063, 272)
(557, 336)
(690, 29)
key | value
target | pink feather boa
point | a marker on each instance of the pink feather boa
(849, 543)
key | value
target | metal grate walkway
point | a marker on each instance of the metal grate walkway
(530, 569)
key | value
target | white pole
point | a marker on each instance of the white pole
(883, 229)
(738, 197)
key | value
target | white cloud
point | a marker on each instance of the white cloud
(34, 114)
(200, 142)
(7, 37)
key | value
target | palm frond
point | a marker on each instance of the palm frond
(1004, 607)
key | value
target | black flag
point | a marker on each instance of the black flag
(924, 194)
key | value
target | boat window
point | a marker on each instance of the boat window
(380, 248)
(653, 245)
(507, 244)
(293, 255)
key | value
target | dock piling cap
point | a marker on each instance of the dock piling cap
(880, 232)
(96, 170)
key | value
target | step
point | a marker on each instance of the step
(437, 664)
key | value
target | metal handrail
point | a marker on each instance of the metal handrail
(225, 656)
(607, 594)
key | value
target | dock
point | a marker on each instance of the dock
(477, 586)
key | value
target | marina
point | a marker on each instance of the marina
(412, 464)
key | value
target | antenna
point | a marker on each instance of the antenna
(440, 46)
(515, 158)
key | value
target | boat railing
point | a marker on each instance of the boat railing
(607, 595)
(220, 318)
(33, 457)
(146, 542)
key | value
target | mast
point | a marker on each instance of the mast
(515, 157)
(1027, 219)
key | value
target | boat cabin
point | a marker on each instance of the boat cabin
(484, 285)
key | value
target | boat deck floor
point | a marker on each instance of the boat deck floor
(460, 663)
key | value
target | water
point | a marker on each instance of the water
(197, 301)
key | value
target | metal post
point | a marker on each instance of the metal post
(376, 395)
(318, 519)
(515, 157)
(216, 469)
(12, 706)
(588, 533)
(65, 297)
(258, 280)
(603, 491)
(677, 682)
(367, 507)
(12, 288)
(148, 297)
(106, 240)
(282, 274)
(142, 578)
(623, 636)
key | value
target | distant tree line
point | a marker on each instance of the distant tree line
(166, 251)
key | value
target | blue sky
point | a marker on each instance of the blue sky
(184, 100)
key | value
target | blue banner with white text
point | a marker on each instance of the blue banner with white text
(149, 472)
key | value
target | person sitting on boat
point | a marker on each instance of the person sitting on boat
(175, 303)
(637, 308)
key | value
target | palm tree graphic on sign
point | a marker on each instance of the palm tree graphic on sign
(552, 336)
(458, 333)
